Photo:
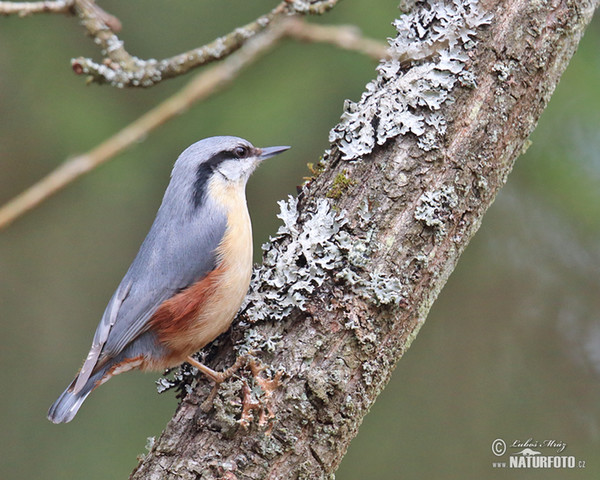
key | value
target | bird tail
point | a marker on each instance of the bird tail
(134, 356)
(69, 402)
(67, 405)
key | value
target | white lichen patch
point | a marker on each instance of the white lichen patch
(217, 48)
(303, 6)
(150, 441)
(300, 259)
(370, 370)
(427, 59)
(254, 340)
(435, 207)
(297, 261)
(383, 290)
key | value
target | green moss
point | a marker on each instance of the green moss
(340, 185)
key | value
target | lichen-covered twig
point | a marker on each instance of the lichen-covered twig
(24, 9)
(121, 69)
(99, 25)
(29, 8)
(201, 87)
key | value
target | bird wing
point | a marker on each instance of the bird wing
(174, 255)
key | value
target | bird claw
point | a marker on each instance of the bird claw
(249, 404)
(261, 406)
(267, 385)
(217, 377)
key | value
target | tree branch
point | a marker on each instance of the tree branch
(199, 88)
(351, 275)
(121, 69)
(24, 9)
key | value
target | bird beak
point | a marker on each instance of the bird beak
(269, 152)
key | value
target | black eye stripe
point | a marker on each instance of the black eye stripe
(206, 169)
(204, 172)
(218, 158)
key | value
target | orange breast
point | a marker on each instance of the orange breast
(175, 318)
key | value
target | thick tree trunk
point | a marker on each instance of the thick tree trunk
(350, 277)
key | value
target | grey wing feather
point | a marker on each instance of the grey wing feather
(178, 251)
(108, 320)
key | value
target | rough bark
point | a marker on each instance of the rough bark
(350, 277)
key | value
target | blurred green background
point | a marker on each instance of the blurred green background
(511, 349)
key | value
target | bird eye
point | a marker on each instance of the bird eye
(241, 152)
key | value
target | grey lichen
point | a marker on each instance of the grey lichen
(150, 441)
(383, 289)
(297, 261)
(434, 208)
(427, 59)
(164, 384)
(258, 341)
(503, 70)
(377, 288)
(228, 407)
(371, 369)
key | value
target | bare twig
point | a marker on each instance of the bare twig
(199, 88)
(121, 69)
(347, 37)
(28, 8)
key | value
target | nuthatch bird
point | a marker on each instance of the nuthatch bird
(189, 277)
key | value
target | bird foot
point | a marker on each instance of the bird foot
(217, 377)
(261, 406)
(249, 403)
(267, 385)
